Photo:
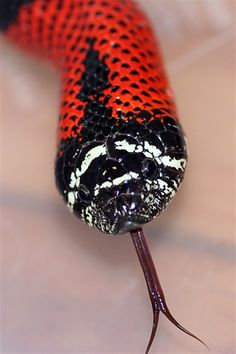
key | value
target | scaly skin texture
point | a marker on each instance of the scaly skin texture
(121, 151)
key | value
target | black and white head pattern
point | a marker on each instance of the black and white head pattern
(127, 179)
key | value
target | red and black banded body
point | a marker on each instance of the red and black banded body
(121, 151)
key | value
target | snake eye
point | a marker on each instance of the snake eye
(84, 193)
(149, 168)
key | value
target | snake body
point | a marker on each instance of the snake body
(121, 151)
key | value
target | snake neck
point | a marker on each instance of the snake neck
(108, 44)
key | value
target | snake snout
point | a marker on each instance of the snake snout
(122, 211)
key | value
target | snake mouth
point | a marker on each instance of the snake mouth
(122, 213)
(128, 226)
(134, 221)
(125, 220)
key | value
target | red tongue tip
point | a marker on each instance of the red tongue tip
(156, 293)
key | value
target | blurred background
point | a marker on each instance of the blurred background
(68, 289)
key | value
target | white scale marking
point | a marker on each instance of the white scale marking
(149, 150)
(72, 196)
(115, 182)
(88, 159)
(173, 162)
(88, 215)
(124, 145)
(152, 149)
(72, 180)
(166, 188)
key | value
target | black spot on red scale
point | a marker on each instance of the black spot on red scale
(125, 92)
(115, 88)
(143, 81)
(134, 85)
(115, 60)
(101, 27)
(125, 78)
(118, 101)
(125, 65)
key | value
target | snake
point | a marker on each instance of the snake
(121, 150)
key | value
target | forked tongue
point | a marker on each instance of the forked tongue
(154, 287)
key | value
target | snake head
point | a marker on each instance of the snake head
(126, 180)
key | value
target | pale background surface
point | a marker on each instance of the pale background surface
(68, 289)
